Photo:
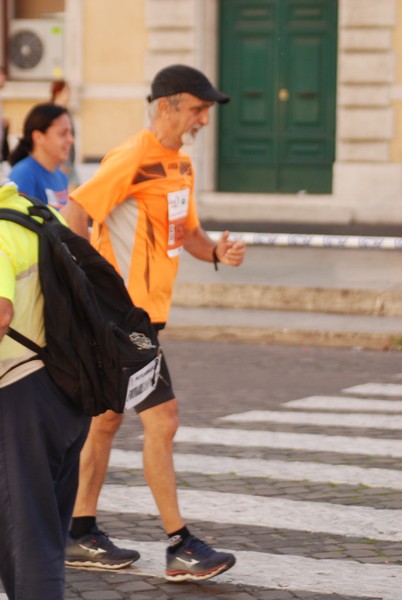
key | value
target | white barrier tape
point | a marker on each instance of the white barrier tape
(312, 240)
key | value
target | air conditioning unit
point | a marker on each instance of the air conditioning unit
(36, 49)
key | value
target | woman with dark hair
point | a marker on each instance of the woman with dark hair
(45, 145)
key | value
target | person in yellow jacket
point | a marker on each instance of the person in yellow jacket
(141, 201)
(41, 430)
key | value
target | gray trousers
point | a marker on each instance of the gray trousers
(41, 435)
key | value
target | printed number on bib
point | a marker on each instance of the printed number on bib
(177, 211)
(142, 383)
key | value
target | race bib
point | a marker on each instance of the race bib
(177, 215)
(142, 383)
(56, 199)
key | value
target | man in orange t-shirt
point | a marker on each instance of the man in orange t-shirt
(141, 201)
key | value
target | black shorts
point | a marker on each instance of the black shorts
(163, 391)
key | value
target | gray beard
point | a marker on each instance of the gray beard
(187, 138)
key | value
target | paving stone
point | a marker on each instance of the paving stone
(135, 586)
(239, 596)
(155, 596)
(101, 595)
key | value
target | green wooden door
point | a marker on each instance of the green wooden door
(278, 64)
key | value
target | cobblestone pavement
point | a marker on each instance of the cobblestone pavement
(296, 536)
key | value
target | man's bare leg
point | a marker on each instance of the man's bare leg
(94, 460)
(87, 545)
(187, 557)
(160, 425)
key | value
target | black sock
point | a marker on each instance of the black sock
(177, 537)
(82, 526)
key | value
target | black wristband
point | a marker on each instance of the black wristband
(215, 258)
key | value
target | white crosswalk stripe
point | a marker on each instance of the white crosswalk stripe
(290, 441)
(287, 572)
(348, 404)
(312, 418)
(349, 522)
(259, 511)
(276, 469)
(393, 390)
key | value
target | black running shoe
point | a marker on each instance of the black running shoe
(96, 550)
(194, 560)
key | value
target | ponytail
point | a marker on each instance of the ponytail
(22, 150)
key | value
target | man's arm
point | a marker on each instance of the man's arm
(197, 243)
(76, 218)
(6, 315)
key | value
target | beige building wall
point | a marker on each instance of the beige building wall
(107, 123)
(105, 53)
(113, 51)
(367, 180)
(396, 145)
(114, 41)
(111, 56)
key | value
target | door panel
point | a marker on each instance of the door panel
(253, 107)
(277, 62)
(247, 131)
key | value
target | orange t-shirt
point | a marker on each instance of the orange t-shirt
(141, 200)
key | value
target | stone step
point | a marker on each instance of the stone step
(284, 327)
(370, 302)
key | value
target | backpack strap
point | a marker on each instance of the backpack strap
(22, 339)
(8, 214)
(38, 209)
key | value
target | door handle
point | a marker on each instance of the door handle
(306, 94)
(253, 94)
(283, 95)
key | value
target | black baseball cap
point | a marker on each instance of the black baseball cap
(177, 79)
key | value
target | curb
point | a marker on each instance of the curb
(297, 337)
(289, 298)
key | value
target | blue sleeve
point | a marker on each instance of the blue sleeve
(26, 181)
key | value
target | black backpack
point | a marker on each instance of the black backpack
(100, 348)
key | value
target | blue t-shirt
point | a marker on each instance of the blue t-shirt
(34, 180)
